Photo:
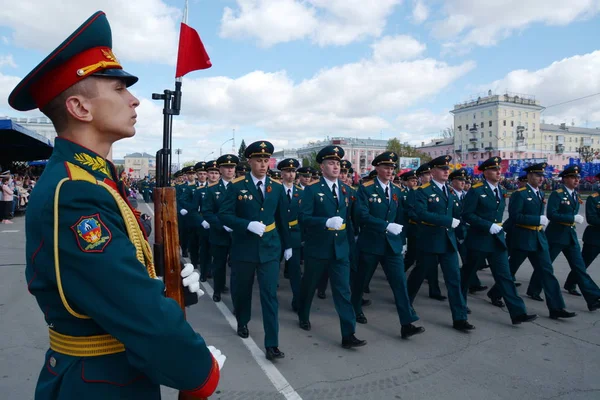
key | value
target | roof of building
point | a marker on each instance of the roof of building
(139, 155)
(438, 142)
(564, 129)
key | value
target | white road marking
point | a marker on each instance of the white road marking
(277, 379)
(10, 231)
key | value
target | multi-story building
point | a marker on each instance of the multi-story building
(360, 152)
(41, 125)
(506, 125)
(438, 147)
(140, 165)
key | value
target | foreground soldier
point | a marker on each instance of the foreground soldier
(324, 214)
(381, 217)
(438, 211)
(483, 210)
(89, 264)
(562, 211)
(255, 211)
(526, 210)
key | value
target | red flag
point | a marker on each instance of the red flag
(192, 55)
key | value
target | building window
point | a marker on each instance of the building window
(504, 123)
(512, 123)
(474, 115)
(490, 113)
(482, 133)
(511, 155)
(482, 114)
(482, 124)
(503, 154)
(490, 123)
(512, 113)
(490, 133)
(482, 145)
(570, 138)
(489, 144)
(460, 128)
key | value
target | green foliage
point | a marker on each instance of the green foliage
(190, 163)
(405, 150)
(311, 161)
(241, 151)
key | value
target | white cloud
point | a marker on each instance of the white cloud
(484, 23)
(397, 48)
(143, 30)
(7, 84)
(561, 81)
(7, 60)
(420, 11)
(325, 22)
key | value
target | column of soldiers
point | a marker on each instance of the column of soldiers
(329, 232)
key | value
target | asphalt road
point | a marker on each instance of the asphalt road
(546, 359)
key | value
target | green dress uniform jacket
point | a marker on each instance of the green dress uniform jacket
(213, 201)
(562, 237)
(292, 206)
(90, 268)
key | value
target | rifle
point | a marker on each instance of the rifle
(166, 234)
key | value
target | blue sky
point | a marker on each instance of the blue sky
(292, 71)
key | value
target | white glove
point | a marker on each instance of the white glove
(334, 223)
(218, 356)
(191, 280)
(257, 227)
(579, 219)
(404, 249)
(183, 211)
(460, 241)
(543, 220)
(455, 222)
(228, 229)
(287, 254)
(205, 225)
(394, 229)
(495, 229)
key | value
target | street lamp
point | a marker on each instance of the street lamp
(204, 159)
(178, 152)
(221, 148)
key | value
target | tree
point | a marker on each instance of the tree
(406, 150)
(241, 151)
(311, 161)
(448, 132)
(190, 163)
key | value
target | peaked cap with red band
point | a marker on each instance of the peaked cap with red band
(86, 52)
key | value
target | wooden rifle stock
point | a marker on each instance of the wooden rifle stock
(166, 249)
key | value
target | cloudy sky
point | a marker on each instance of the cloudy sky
(292, 71)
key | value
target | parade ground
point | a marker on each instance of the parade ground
(546, 359)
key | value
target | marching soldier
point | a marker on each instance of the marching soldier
(192, 224)
(438, 212)
(201, 236)
(145, 188)
(185, 192)
(292, 205)
(380, 241)
(219, 236)
(526, 210)
(563, 213)
(88, 262)
(411, 181)
(254, 208)
(304, 177)
(591, 235)
(324, 215)
(457, 182)
(483, 210)
(241, 169)
(424, 175)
